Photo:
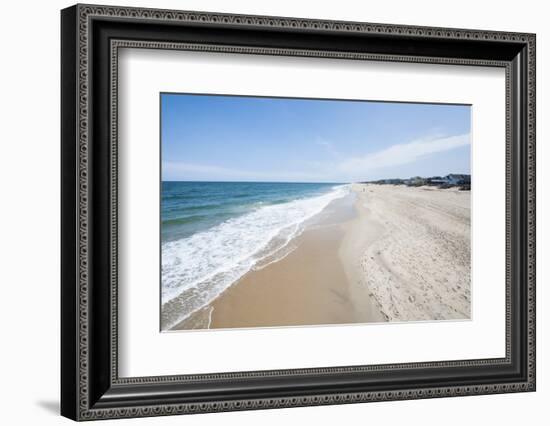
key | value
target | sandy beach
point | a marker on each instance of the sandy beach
(382, 253)
(418, 266)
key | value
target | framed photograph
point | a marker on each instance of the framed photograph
(263, 212)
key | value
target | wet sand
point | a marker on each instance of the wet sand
(382, 253)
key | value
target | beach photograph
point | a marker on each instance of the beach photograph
(285, 212)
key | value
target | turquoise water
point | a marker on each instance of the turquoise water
(215, 232)
(190, 207)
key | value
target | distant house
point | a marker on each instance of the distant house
(393, 181)
(416, 181)
(435, 180)
(456, 179)
(453, 179)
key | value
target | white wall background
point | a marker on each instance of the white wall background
(29, 214)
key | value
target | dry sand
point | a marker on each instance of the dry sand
(419, 266)
(383, 253)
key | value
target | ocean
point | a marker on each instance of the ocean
(212, 233)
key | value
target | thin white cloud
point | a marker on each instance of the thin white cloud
(397, 155)
(175, 168)
(324, 143)
(329, 147)
(189, 171)
(385, 161)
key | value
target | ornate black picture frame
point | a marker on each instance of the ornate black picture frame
(90, 38)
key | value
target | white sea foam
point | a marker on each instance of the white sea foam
(196, 269)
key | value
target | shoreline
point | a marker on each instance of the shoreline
(316, 283)
(344, 268)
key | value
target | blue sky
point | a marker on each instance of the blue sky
(232, 138)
